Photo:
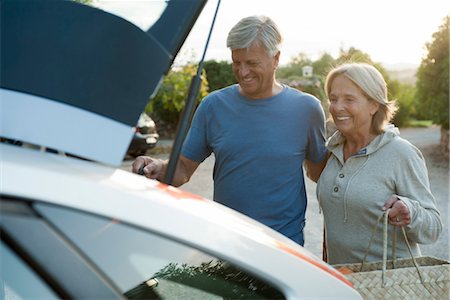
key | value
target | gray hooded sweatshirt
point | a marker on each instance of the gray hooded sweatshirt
(352, 193)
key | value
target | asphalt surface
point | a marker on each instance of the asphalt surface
(201, 184)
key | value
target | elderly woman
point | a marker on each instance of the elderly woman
(371, 169)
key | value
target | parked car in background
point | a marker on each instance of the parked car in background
(73, 225)
(145, 136)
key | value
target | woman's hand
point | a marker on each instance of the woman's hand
(399, 214)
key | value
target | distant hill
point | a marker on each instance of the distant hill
(405, 73)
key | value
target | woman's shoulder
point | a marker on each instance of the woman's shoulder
(403, 148)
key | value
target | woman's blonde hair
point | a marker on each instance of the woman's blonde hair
(372, 84)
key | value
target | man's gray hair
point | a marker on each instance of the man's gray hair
(252, 29)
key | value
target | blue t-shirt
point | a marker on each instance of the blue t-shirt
(259, 148)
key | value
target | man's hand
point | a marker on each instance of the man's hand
(149, 167)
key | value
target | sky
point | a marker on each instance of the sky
(392, 32)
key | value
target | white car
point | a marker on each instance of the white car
(77, 229)
(73, 225)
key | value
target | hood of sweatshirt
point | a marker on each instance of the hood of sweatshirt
(336, 141)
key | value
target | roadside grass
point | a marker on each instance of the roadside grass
(419, 123)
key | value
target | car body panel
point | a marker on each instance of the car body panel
(77, 70)
(89, 59)
(171, 212)
(64, 125)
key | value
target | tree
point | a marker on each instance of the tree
(219, 74)
(291, 74)
(168, 103)
(86, 2)
(433, 78)
(294, 67)
(324, 65)
(353, 55)
(405, 96)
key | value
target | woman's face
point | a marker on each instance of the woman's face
(351, 110)
(254, 69)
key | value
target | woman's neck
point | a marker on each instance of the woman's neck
(354, 144)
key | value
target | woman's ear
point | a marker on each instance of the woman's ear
(374, 106)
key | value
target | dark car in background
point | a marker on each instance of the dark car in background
(145, 136)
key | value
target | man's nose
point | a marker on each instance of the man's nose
(243, 70)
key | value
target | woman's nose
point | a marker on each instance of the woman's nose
(336, 106)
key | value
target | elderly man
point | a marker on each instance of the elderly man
(261, 133)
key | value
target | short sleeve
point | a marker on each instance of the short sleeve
(316, 150)
(196, 145)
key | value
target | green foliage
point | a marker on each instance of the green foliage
(353, 55)
(219, 278)
(168, 103)
(420, 123)
(433, 78)
(87, 2)
(219, 74)
(291, 74)
(405, 96)
(294, 67)
(324, 65)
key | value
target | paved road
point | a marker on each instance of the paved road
(201, 184)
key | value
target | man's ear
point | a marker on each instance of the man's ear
(276, 60)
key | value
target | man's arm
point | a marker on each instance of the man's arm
(313, 170)
(156, 168)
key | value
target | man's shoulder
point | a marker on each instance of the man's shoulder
(301, 95)
(216, 99)
(225, 90)
(217, 95)
(302, 100)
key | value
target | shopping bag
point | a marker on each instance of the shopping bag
(422, 277)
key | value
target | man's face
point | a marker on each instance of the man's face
(254, 69)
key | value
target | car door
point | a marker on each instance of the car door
(75, 254)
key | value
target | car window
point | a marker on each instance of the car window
(145, 265)
(14, 273)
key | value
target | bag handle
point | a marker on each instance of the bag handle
(385, 216)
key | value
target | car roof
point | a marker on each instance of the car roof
(166, 210)
(75, 78)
